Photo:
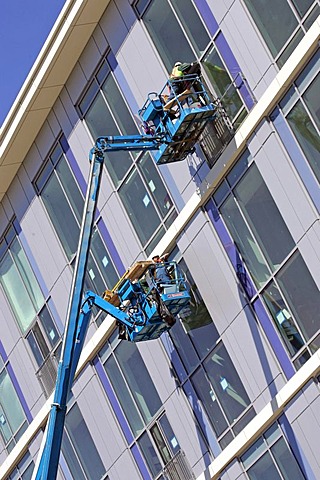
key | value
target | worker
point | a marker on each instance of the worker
(161, 276)
(177, 83)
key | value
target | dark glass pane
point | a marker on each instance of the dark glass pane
(245, 242)
(139, 207)
(192, 24)
(275, 20)
(49, 326)
(101, 123)
(155, 184)
(209, 401)
(311, 97)
(71, 459)
(124, 397)
(105, 265)
(138, 379)
(306, 135)
(170, 436)
(35, 349)
(294, 42)
(71, 189)
(264, 469)
(61, 215)
(184, 347)
(161, 444)
(264, 218)
(226, 383)
(166, 34)
(40, 340)
(302, 6)
(150, 454)
(84, 445)
(286, 461)
(301, 293)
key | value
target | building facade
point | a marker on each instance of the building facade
(232, 392)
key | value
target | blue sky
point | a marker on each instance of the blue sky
(24, 26)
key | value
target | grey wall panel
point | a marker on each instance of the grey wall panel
(26, 184)
(113, 27)
(250, 51)
(214, 277)
(121, 231)
(124, 468)
(182, 173)
(100, 40)
(45, 140)
(183, 425)
(66, 112)
(252, 356)
(100, 420)
(158, 365)
(3, 220)
(24, 369)
(309, 247)
(89, 59)
(54, 124)
(6, 204)
(32, 162)
(77, 81)
(233, 472)
(261, 134)
(43, 243)
(140, 65)
(285, 187)
(60, 292)
(220, 9)
(17, 198)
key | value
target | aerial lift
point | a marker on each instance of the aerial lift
(142, 307)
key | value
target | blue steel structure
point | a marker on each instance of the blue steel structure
(143, 311)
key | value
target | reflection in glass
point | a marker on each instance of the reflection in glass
(283, 319)
(222, 83)
(150, 454)
(286, 461)
(306, 135)
(226, 383)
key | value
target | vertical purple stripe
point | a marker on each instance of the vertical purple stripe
(83, 186)
(296, 156)
(234, 69)
(201, 418)
(231, 250)
(296, 448)
(259, 309)
(111, 247)
(3, 353)
(140, 463)
(174, 357)
(112, 398)
(273, 338)
(207, 16)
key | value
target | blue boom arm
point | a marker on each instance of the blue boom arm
(173, 129)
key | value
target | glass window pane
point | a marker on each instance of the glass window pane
(184, 347)
(49, 326)
(244, 241)
(302, 6)
(71, 188)
(311, 97)
(161, 444)
(222, 83)
(124, 397)
(155, 184)
(264, 469)
(209, 401)
(283, 319)
(107, 271)
(301, 293)
(16, 293)
(61, 215)
(264, 218)
(139, 207)
(308, 72)
(192, 24)
(170, 436)
(35, 349)
(166, 34)
(11, 413)
(138, 378)
(150, 454)
(306, 135)
(286, 461)
(275, 20)
(27, 274)
(226, 383)
(84, 445)
(71, 459)
(101, 123)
